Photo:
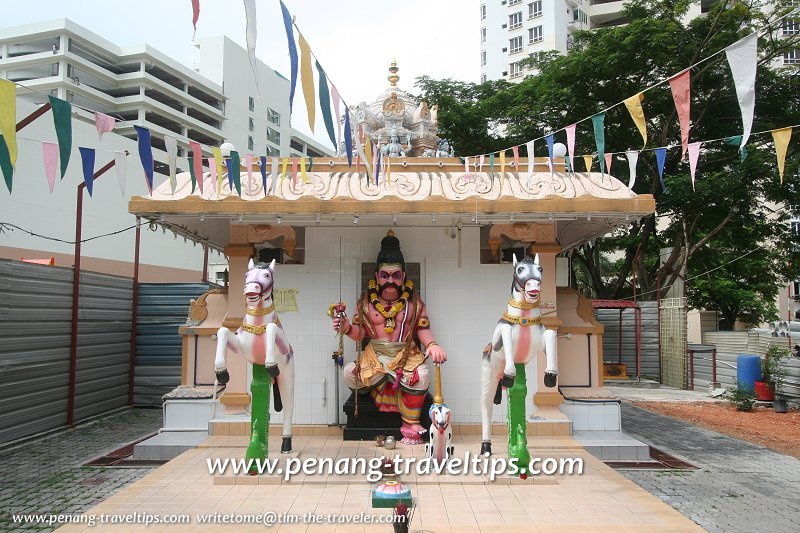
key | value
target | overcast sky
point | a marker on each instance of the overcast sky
(354, 40)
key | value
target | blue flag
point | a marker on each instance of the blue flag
(598, 121)
(87, 158)
(263, 169)
(348, 138)
(287, 22)
(661, 155)
(145, 155)
(325, 104)
(549, 140)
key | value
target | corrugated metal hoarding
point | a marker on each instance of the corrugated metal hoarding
(649, 361)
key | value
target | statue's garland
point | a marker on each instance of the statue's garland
(389, 314)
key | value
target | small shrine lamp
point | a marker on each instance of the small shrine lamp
(227, 147)
(559, 150)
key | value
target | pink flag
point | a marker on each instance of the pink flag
(248, 162)
(608, 160)
(50, 155)
(571, 145)
(212, 169)
(515, 151)
(680, 94)
(119, 164)
(197, 163)
(294, 172)
(335, 97)
(466, 166)
(104, 124)
(694, 154)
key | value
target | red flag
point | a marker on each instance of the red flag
(515, 151)
(680, 94)
(294, 172)
(195, 14)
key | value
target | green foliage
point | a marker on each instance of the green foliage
(735, 206)
(773, 367)
(742, 397)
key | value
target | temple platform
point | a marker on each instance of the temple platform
(600, 499)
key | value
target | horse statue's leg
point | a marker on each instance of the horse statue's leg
(286, 385)
(509, 371)
(259, 417)
(225, 339)
(491, 365)
(517, 423)
(550, 350)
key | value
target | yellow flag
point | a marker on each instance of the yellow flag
(781, 137)
(307, 79)
(587, 160)
(634, 105)
(502, 169)
(388, 171)
(8, 117)
(368, 154)
(283, 169)
(303, 170)
(217, 153)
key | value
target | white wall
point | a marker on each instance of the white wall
(463, 303)
(31, 206)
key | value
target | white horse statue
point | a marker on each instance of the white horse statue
(261, 341)
(519, 337)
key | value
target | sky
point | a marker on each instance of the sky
(354, 40)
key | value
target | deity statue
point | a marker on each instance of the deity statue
(444, 149)
(392, 367)
(393, 148)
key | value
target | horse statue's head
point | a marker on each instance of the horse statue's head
(527, 279)
(258, 282)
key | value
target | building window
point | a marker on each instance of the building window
(483, 36)
(792, 57)
(272, 151)
(251, 124)
(515, 20)
(514, 2)
(273, 116)
(515, 45)
(274, 136)
(251, 144)
(535, 9)
(483, 12)
(483, 58)
(535, 35)
(579, 16)
(252, 103)
(297, 145)
(483, 78)
(791, 27)
(516, 69)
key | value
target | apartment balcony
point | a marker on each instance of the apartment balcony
(606, 13)
(573, 3)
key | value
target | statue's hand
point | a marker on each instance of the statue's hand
(436, 353)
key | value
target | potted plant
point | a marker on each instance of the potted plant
(777, 361)
(772, 371)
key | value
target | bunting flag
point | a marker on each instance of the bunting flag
(368, 155)
(212, 171)
(348, 138)
(171, 144)
(466, 166)
(195, 15)
(287, 23)
(218, 167)
(680, 94)
(251, 36)
(694, 155)
(307, 79)
(634, 105)
(661, 156)
(609, 158)
(502, 169)
(145, 155)
(62, 118)
(120, 164)
(229, 172)
(529, 146)
(736, 140)
(781, 137)
(235, 169)
(587, 161)
(275, 166)
(598, 121)
(325, 105)
(335, 97)
(743, 59)
(491, 165)
(8, 129)
(359, 151)
(50, 156)
(262, 167)
(549, 140)
(248, 163)
(294, 172)
(104, 124)
(515, 153)
(481, 160)
(633, 159)
(571, 145)
(303, 173)
(87, 159)
(196, 165)
(378, 166)
(284, 166)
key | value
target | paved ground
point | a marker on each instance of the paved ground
(739, 487)
(46, 475)
(661, 394)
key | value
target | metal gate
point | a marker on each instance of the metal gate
(673, 342)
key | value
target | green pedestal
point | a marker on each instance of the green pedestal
(517, 425)
(259, 415)
(390, 493)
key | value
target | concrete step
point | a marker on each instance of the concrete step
(168, 445)
(632, 382)
(612, 445)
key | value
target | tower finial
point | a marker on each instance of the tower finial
(393, 77)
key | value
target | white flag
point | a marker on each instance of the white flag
(743, 59)
(171, 145)
(633, 158)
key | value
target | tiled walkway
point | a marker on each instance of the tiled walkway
(599, 500)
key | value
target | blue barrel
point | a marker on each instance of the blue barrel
(748, 370)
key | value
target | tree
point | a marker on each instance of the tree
(607, 65)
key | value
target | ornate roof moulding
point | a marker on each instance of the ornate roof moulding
(524, 232)
(283, 235)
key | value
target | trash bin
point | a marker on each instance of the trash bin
(748, 370)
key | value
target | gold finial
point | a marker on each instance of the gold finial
(390, 233)
(393, 77)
